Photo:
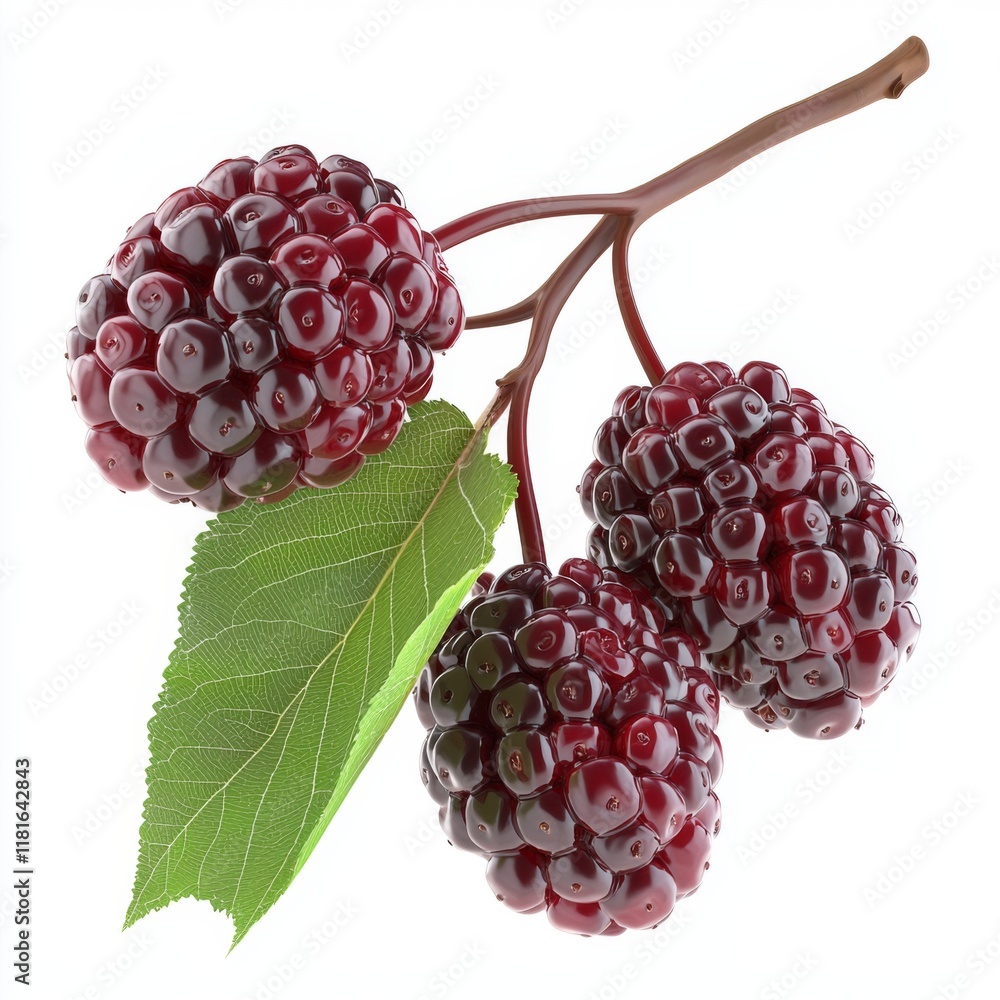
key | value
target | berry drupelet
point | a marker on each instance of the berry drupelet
(262, 331)
(753, 519)
(571, 742)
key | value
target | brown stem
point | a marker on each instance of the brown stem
(622, 214)
(489, 416)
(516, 313)
(552, 298)
(886, 78)
(485, 220)
(494, 409)
(637, 334)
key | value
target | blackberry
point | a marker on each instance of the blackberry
(262, 331)
(753, 519)
(571, 742)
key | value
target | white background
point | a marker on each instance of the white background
(866, 868)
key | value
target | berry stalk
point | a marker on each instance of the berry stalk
(552, 298)
(623, 213)
(634, 326)
(887, 78)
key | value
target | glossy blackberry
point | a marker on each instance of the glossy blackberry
(262, 331)
(753, 519)
(571, 741)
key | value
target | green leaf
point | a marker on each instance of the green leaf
(303, 626)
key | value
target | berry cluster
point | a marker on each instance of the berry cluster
(753, 518)
(261, 331)
(572, 743)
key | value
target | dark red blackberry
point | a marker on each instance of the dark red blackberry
(571, 741)
(753, 519)
(262, 331)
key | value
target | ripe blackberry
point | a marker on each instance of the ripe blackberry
(262, 331)
(571, 741)
(753, 519)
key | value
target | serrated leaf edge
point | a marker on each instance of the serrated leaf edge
(476, 438)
